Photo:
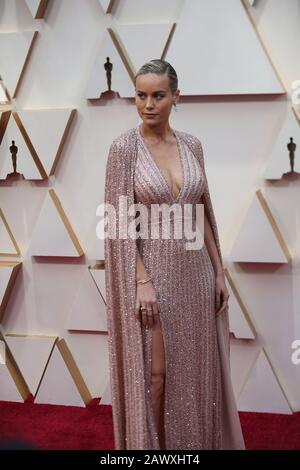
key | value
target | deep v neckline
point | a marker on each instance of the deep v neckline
(156, 166)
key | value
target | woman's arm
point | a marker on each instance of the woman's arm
(141, 272)
(222, 294)
(145, 295)
(211, 247)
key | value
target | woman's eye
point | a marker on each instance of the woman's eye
(141, 95)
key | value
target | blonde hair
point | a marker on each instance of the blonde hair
(160, 67)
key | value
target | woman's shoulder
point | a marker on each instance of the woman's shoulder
(123, 139)
(190, 138)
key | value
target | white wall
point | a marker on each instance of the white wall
(237, 133)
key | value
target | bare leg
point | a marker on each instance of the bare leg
(158, 379)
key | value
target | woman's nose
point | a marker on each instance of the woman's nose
(149, 103)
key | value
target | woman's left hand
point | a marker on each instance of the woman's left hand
(222, 294)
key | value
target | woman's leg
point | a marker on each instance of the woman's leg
(158, 379)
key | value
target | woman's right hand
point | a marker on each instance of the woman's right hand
(146, 298)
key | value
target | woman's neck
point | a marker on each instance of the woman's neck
(156, 133)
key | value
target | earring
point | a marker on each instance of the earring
(175, 106)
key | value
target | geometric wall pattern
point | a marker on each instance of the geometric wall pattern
(262, 391)
(90, 352)
(243, 354)
(121, 81)
(53, 234)
(71, 388)
(296, 109)
(234, 61)
(259, 239)
(8, 244)
(279, 162)
(15, 49)
(13, 386)
(106, 397)
(32, 354)
(107, 5)
(239, 319)
(240, 66)
(37, 7)
(9, 390)
(2, 352)
(142, 42)
(86, 316)
(3, 94)
(25, 161)
(8, 274)
(39, 136)
(98, 275)
(98, 247)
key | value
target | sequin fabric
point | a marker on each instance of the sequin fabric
(199, 406)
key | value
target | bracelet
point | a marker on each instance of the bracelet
(143, 281)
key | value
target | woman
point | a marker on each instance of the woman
(167, 306)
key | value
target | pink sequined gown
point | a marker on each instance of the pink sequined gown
(184, 281)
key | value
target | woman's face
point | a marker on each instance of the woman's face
(154, 98)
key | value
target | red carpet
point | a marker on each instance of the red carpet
(68, 427)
